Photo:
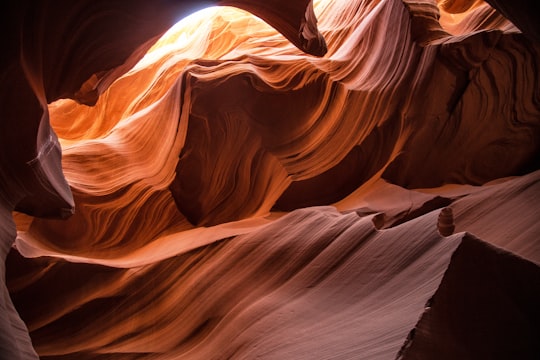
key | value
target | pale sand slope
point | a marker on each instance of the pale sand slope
(314, 283)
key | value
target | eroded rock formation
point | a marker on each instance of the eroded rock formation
(236, 197)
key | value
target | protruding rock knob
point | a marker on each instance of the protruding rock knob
(445, 223)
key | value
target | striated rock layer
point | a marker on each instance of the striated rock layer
(237, 197)
(64, 49)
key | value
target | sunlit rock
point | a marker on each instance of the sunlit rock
(268, 186)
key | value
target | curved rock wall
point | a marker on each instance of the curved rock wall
(236, 197)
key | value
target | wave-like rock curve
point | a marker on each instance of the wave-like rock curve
(198, 174)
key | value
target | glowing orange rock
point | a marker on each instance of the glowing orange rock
(186, 167)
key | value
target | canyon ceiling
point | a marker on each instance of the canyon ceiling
(281, 179)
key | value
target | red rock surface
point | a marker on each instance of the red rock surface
(343, 179)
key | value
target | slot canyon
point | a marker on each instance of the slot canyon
(279, 179)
